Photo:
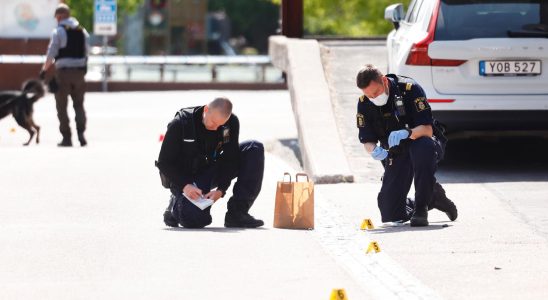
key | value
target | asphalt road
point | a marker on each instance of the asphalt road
(499, 184)
(86, 223)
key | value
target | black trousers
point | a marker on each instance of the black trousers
(417, 163)
(246, 189)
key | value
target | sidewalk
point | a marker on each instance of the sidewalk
(497, 248)
(87, 223)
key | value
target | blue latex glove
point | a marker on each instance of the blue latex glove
(396, 136)
(379, 153)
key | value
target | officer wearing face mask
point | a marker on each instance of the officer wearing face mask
(396, 127)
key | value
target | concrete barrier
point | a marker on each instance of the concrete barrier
(323, 156)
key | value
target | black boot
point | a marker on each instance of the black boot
(82, 139)
(241, 220)
(66, 142)
(169, 219)
(441, 202)
(420, 217)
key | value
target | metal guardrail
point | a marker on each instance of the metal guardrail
(260, 61)
(172, 60)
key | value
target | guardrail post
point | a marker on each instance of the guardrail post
(128, 72)
(214, 73)
(162, 69)
(263, 73)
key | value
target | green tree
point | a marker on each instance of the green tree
(346, 17)
(253, 19)
(83, 10)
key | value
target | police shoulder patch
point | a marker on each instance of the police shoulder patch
(421, 104)
(360, 119)
(226, 135)
(408, 86)
(362, 98)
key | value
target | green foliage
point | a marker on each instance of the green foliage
(83, 10)
(253, 19)
(346, 17)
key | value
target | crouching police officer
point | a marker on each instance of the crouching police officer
(395, 112)
(199, 157)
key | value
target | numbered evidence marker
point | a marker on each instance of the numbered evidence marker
(367, 225)
(338, 294)
(373, 246)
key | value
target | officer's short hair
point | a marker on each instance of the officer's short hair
(366, 75)
(222, 105)
(62, 9)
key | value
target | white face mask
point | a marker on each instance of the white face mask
(380, 100)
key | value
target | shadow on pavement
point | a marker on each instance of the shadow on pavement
(408, 228)
(509, 159)
(212, 229)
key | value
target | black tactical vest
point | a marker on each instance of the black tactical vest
(76, 44)
(384, 119)
(194, 158)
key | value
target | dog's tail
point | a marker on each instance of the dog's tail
(33, 89)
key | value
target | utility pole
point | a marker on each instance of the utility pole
(292, 18)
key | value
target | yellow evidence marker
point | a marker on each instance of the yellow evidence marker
(338, 294)
(367, 225)
(373, 246)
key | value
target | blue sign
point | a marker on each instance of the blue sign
(105, 17)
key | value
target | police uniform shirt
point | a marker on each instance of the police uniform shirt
(226, 155)
(370, 117)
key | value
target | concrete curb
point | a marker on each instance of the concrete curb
(323, 155)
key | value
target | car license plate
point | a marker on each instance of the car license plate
(509, 67)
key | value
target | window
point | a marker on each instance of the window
(415, 12)
(469, 19)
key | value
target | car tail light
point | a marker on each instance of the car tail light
(418, 56)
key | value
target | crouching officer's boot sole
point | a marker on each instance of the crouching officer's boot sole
(170, 220)
(441, 202)
(419, 218)
(241, 220)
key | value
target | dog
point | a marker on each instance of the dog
(20, 105)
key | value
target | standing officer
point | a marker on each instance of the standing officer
(200, 155)
(68, 47)
(394, 111)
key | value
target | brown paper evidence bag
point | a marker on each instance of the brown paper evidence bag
(294, 203)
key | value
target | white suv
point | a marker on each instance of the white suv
(482, 63)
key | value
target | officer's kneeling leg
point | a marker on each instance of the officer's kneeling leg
(250, 177)
(189, 215)
(423, 157)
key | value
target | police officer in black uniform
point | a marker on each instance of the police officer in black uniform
(395, 112)
(200, 155)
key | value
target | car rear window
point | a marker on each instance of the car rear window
(470, 19)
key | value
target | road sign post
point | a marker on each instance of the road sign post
(104, 23)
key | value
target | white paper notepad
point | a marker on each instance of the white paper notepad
(201, 202)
